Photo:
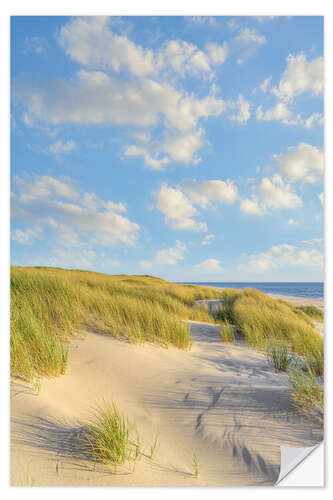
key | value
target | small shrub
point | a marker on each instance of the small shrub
(279, 356)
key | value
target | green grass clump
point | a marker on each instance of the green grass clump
(279, 356)
(313, 312)
(48, 305)
(108, 437)
(227, 332)
(307, 393)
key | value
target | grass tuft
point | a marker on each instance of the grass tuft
(279, 356)
(307, 393)
(108, 437)
(227, 332)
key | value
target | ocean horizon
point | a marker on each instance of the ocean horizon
(297, 289)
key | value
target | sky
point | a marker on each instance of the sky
(189, 148)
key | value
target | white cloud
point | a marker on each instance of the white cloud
(60, 147)
(146, 264)
(171, 256)
(217, 53)
(300, 76)
(265, 84)
(95, 98)
(280, 112)
(75, 219)
(26, 237)
(271, 193)
(208, 239)
(205, 192)
(209, 266)
(244, 113)
(292, 222)
(248, 35)
(302, 163)
(251, 207)
(283, 256)
(90, 41)
(178, 209)
(183, 58)
(321, 198)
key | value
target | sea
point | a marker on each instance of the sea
(299, 289)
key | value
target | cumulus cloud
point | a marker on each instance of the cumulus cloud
(243, 108)
(178, 210)
(271, 193)
(217, 53)
(321, 198)
(90, 41)
(280, 112)
(209, 266)
(171, 256)
(177, 203)
(302, 163)
(300, 76)
(206, 192)
(95, 98)
(283, 256)
(75, 218)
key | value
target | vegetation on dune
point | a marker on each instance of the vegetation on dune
(48, 305)
(307, 393)
(109, 437)
(279, 356)
(263, 321)
(312, 311)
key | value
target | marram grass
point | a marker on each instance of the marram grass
(48, 305)
(262, 320)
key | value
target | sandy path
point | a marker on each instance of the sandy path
(222, 401)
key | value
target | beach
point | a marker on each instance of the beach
(222, 402)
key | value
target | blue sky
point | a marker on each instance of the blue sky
(188, 148)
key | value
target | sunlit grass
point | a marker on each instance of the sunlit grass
(307, 393)
(279, 355)
(48, 305)
(263, 320)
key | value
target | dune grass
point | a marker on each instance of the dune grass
(227, 332)
(263, 320)
(48, 305)
(108, 438)
(279, 356)
(313, 312)
(307, 393)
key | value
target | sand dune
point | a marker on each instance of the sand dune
(223, 402)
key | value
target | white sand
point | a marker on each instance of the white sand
(222, 401)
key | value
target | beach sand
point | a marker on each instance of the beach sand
(221, 401)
